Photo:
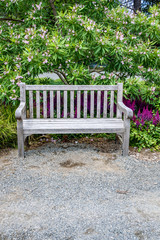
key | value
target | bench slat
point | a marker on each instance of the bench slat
(85, 105)
(71, 104)
(37, 104)
(72, 87)
(65, 104)
(92, 105)
(58, 104)
(44, 104)
(98, 103)
(119, 98)
(23, 96)
(73, 126)
(31, 104)
(78, 104)
(105, 105)
(111, 104)
(51, 105)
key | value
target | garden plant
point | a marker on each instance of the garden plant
(75, 40)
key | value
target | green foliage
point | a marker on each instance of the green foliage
(146, 136)
(8, 129)
(109, 37)
(138, 89)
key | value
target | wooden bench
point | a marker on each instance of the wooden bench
(64, 109)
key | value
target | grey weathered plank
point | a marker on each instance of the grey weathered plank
(65, 104)
(78, 104)
(37, 104)
(111, 104)
(105, 105)
(123, 108)
(20, 138)
(58, 104)
(126, 134)
(23, 96)
(92, 105)
(81, 120)
(31, 104)
(44, 104)
(98, 103)
(22, 92)
(119, 98)
(85, 105)
(72, 87)
(71, 104)
(51, 104)
(73, 126)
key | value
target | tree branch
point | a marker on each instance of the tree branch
(96, 70)
(53, 9)
(61, 77)
(10, 19)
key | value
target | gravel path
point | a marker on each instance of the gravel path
(76, 192)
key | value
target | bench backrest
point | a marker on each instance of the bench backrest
(71, 101)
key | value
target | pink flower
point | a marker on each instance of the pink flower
(153, 89)
(27, 42)
(45, 61)
(12, 81)
(103, 77)
(18, 77)
(30, 58)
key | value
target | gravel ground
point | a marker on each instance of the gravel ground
(78, 192)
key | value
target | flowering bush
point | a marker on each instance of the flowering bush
(34, 41)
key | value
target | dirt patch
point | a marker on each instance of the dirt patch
(103, 145)
(71, 164)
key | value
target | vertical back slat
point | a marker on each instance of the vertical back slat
(105, 105)
(98, 103)
(92, 105)
(71, 104)
(119, 98)
(44, 104)
(65, 104)
(58, 104)
(31, 104)
(78, 104)
(23, 95)
(51, 105)
(37, 104)
(85, 105)
(111, 104)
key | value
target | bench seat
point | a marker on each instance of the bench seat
(58, 126)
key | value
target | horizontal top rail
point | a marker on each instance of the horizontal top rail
(72, 87)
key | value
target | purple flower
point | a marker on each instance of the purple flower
(147, 114)
(156, 118)
(137, 123)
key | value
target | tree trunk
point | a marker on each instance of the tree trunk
(137, 5)
(54, 9)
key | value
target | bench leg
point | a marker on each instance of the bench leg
(20, 138)
(126, 138)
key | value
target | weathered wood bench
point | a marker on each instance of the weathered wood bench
(64, 109)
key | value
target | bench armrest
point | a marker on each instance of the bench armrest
(20, 111)
(127, 111)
